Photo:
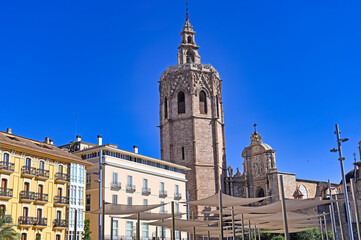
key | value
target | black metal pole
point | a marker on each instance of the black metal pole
(103, 221)
(111, 228)
(173, 222)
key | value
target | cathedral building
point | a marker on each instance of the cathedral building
(191, 118)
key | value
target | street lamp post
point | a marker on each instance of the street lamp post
(341, 158)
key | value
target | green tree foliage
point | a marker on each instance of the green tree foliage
(314, 234)
(7, 229)
(87, 232)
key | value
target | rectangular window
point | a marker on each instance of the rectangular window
(182, 153)
(129, 201)
(129, 229)
(115, 229)
(177, 235)
(161, 208)
(176, 190)
(130, 181)
(162, 187)
(115, 178)
(88, 200)
(145, 231)
(88, 178)
(145, 184)
(115, 199)
(176, 207)
(145, 202)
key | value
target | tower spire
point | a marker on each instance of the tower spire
(187, 16)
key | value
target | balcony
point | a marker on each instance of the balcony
(130, 188)
(60, 201)
(6, 193)
(26, 222)
(6, 167)
(41, 198)
(40, 223)
(26, 196)
(146, 191)
(42, 174)
(177, 196)
(163, 194)
(27, 171)
(115, 186)
(62, 177)
(60, 224)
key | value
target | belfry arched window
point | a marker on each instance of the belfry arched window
(217, 106)
(181, 103)
(190, 56)
(165, 108)
(202, 102)
(189, 39)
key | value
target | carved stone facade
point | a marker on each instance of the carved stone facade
(191, 119)
(260, 176)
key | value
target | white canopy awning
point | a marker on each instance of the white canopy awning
(122, 209)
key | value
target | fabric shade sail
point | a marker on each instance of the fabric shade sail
(148, 216)
(227, 201)
(122, 209)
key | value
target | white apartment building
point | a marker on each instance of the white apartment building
(76, 200)
(133, 179)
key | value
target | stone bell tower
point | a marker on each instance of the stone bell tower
(191, 118)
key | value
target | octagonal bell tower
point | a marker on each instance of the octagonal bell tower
(191, 118)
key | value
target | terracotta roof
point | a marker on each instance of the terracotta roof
(40, 149)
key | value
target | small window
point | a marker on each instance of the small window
(217, 106)
(115, 199)
(260, 192)
(88, 200)
(130, 201)
(189, 39)
(115, 178)
(190, 57)
(5, 159)
(165, 108)
(181, 103)
(41, 165)
(202, 102)
(183, 153)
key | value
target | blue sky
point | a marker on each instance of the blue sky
(293, 67)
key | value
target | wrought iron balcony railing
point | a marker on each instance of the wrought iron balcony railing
(60, 223)
(177, 196)
(42, 173)
(6, 192)
(146, 191)
(26, 195)
(115, 186)
(28, 170)
(130, 188)
(25, 220)
(41, 197)
(7, 166)
(40, 221)
(61, 200)
(62, 177)
(163, 194)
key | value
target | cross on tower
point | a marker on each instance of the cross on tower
(255, 128)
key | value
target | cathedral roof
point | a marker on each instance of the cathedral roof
(351, 174)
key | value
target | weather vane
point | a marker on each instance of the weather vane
(354, 157)
(187, 16)
(255, 128)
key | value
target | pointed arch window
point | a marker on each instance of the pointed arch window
(190, 56)
(181, 103)
(202, 102)
(260, 192)
(165, 108)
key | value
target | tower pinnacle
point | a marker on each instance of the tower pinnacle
(188, 49)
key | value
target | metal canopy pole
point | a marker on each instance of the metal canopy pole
(156, 233)
(325, 222)
(138, 226)
(321, 228)
(234, 230)
(194, 228)
(341, 158)
(332, 213)
(332, 220)
(103, 221)
(111, 228)
(284, 210)
(243, 237)
(100, 174)
(259, 234)
(339, 218)
(220, 216)
(249, 230)
(173, 222)
(356, 207)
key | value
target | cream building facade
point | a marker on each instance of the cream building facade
(35, 179)
(133, 179)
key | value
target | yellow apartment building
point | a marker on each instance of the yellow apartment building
(34, 186)
(133, 179)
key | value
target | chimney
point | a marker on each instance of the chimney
(9, 131)
(135, 149)
(78, 138)
(47, 141)
(51, 141)
(100, 140)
